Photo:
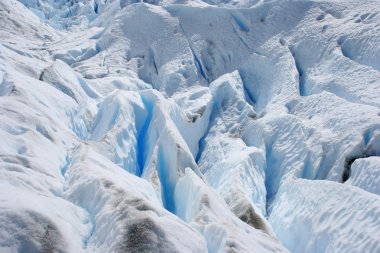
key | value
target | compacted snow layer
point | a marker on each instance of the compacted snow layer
(189, 126)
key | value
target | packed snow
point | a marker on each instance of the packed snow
(190, 126)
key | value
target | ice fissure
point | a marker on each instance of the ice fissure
(142, 136)
(189, 126)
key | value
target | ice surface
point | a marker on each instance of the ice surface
(189, 126)
(323, 216)
(223, 231)
(365, 174)
(241, 183)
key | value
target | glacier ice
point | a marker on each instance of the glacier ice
(364, 172)
(189, 126)
(325, 216)
(223, 231)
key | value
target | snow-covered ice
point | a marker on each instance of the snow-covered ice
(189, 126)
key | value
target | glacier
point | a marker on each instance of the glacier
(190, 126)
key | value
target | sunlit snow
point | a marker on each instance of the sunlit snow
(190, 126)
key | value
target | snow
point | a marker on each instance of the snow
(189, 126)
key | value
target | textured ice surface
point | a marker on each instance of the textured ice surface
(189, 126)
(223, 231)
(364, 174)
(324, 216)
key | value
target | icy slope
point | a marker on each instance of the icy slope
(189, 126)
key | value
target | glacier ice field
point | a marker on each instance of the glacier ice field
(190, 126)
